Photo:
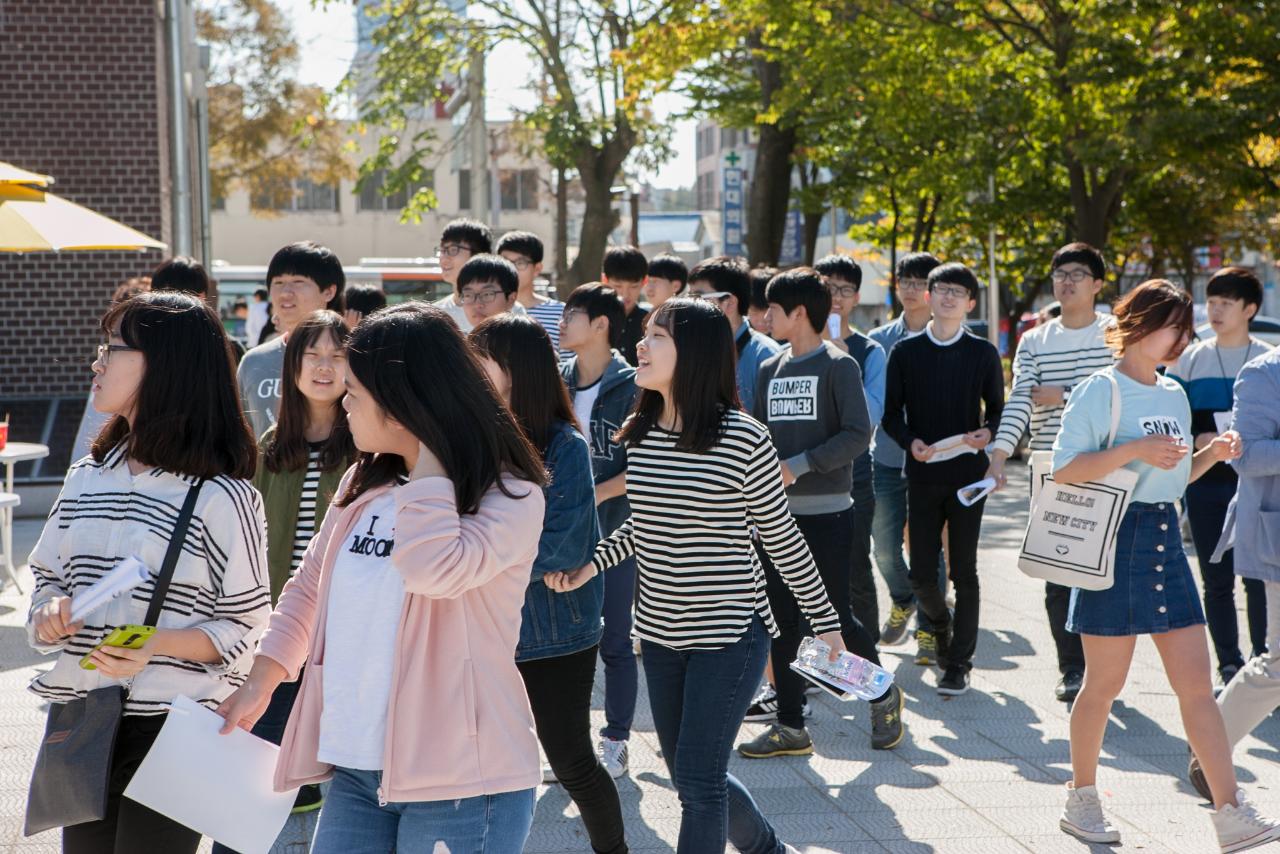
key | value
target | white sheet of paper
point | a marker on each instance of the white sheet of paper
(126, 575)
(219, 785)
(975, 492)
(950, 448)
(1222, 420)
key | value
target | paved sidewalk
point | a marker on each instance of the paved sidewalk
(980, 773)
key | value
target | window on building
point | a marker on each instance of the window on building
(218, 203)
(518, 189)
(301, 194)
(373, 199)
(464, 188)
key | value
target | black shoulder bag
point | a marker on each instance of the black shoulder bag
(69, 783)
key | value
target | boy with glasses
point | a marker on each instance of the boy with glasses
(889, 483)
(487, 287)
(1052, 359)
(843, 278)
(945, 383)
(460, 240)
(524, 250)
(726, 282)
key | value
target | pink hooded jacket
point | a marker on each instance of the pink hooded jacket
(458, 719)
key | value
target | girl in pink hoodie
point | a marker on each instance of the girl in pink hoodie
(406, 609)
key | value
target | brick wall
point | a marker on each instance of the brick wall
(81, 99)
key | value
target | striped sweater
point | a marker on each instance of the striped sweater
(1050, 354)
(700, 581)
(219, 586)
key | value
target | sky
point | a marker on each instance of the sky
(327, 38)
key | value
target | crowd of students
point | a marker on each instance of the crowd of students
(452, 511)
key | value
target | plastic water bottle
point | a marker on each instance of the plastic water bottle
(851, 673)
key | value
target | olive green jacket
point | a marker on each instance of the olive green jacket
(281, 494)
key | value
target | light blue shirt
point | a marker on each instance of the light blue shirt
(754, 352)
(873, 383)
(1144, 410)
(884, 450)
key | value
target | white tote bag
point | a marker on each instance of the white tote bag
(1071, 530)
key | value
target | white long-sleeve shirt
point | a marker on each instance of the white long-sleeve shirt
(219, 585)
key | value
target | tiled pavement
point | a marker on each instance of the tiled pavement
(980, 773)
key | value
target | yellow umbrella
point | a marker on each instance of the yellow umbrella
(34, 220)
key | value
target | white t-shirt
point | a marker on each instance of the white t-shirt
(584, 400)
(366, 598)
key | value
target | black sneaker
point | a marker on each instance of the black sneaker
(777, 740)
(886, 720)
(765, 706)
(954, 682)
(1069, 686)
(894, 630)
(308, 799)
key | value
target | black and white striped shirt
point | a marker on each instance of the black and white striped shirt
(306, 526)
(1050, 354)
(219, 585)
(700, 581)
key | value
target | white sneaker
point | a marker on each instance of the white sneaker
(1082, 817)
(613, 756)
(1243, 827)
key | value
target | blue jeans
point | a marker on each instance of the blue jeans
(887, 525)
(698, 699)
(620, 671)
(352, 822)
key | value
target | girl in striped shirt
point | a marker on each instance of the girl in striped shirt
(701, 475)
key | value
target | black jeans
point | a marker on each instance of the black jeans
(129, 827)
(929, 507)
(559, 692)
(1206, 503)
(829, 536)
(862, 585)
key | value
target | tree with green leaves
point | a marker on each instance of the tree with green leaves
(591, 116)
(266, 129)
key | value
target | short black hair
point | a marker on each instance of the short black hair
(671, 267)
(761, 275)
(262, 294)
(625, 264)
(954, 273)
(475, 234)
(313, 261)
(489, 268)
(599, 300)
(727, 273)
(525, 243)
(1236, 283)
(181, 273)
(366, 299)
(802, 286)
(842, 267)
(916, 265)
(1081, 253)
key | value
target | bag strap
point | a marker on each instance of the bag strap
(1115, 407)
(171, 556)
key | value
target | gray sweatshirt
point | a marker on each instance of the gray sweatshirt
(816, 412)
(259, 379)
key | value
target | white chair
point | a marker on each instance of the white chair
(9, 501)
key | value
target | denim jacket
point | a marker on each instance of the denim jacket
(554, 624)
(608, 458)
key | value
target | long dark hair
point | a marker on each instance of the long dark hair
(188, 418)
(523, 349)
(288, 450)
(420, 370)
(705, 385)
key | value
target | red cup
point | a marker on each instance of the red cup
(4, 434)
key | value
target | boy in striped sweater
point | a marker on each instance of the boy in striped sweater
(1051, 360)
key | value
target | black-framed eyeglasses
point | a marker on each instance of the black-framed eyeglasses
(1075, 277)
(452, 250)
(913, 284)
(843, 291)
(520, 262)
(480, 297)
(105, 351)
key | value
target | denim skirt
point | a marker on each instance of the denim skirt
(1153, 592)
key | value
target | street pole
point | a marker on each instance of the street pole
(179, 156)
(478, 137)
(993, 284)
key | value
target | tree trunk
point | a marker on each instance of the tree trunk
(562, 233)
(812, 225)
(895, 303)
(599, 219)
(770, 194)
(1094, 201)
